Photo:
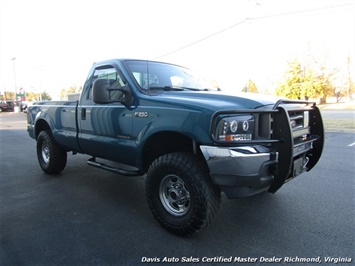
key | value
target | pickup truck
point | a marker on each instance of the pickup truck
(189, 141)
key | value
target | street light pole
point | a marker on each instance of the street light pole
(13, 61)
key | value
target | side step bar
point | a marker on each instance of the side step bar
(92, 162)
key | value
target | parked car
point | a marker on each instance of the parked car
(24, 106)
(4, 106)
(10, 105)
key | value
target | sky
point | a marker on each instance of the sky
(54, 43)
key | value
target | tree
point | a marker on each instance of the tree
(351, 85)
(346, 87)
(351, 88)
(31, 96)
(46, 96)
(291, 86)
(250, 87)
(325, 85)
(304, 82)
(72, 89)
(8, 95)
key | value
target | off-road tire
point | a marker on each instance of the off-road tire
(51, 157)
(181, 176)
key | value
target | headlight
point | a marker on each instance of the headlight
(235, 128)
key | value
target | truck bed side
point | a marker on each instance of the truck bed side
(60, 117)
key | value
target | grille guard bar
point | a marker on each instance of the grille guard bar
(282, 140)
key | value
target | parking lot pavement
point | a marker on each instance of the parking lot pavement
(86, 216)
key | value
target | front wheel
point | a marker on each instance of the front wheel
(180, 193)
(51, 157)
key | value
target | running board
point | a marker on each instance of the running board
(92, 162)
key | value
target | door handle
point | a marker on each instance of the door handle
(83, 113)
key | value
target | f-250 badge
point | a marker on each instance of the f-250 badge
(141, 114)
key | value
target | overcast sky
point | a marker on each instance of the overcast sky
(56, 42)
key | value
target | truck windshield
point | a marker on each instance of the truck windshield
(156, 77)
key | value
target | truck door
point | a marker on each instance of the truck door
(105, 130)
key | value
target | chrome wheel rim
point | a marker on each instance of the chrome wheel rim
(45, 152)
(174, 196)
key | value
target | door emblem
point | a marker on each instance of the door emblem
(141, 114)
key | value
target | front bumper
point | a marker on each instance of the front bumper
(240, 171)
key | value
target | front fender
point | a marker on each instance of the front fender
(159, 131)
(191, 124)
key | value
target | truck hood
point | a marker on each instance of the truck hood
(215, 101)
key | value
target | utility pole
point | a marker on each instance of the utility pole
(13, 62)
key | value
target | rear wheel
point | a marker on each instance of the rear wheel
(180, 193)
(51, 157)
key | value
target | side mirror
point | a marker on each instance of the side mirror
(103, 93)
(100, 91)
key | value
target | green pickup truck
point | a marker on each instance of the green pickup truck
(190, 141)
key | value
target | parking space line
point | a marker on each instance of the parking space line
(352, 144)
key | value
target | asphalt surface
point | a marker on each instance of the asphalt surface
(86, 216)
(338, 114)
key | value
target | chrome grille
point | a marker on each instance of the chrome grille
(299, 124)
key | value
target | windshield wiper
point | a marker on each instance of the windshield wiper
(173, 88)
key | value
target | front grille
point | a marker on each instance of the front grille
(298, 116)
(299, 125)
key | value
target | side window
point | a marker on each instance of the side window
(115, 80)
(146, 81)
